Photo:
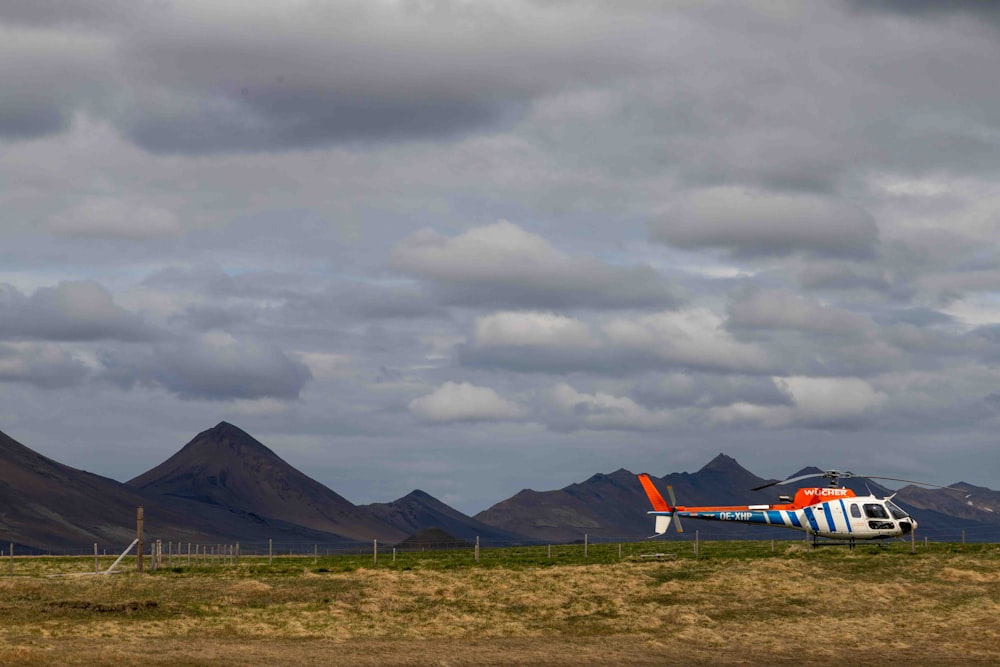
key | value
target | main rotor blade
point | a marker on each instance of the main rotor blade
(910, 481)
(789, 480)
(673, 504)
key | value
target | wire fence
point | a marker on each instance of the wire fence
(191, 553)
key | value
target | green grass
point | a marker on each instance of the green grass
(544, 604)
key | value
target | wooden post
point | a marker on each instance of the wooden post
(12, 558)
(189, 554)
(913, 541)
(619, 552)
(375, 551)
(925, 541)
(95, 558)
(237, 561)
(394, 554)
(477, 548)
(550, 551)
(772, 545)
(585, 546)
(270, 551)
(315, 554)
(696, 544)
(963, 536)
(139, 544)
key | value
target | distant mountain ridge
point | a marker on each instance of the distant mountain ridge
(419, 511)
(226, 485)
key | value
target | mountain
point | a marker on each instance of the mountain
(614, 505)
(225, 468)
(419, 511)
(47, 505)
(224, 485)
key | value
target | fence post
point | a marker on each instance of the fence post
(11, 558)
(270, 551)
(477, 548)
(189, 554)
(619, 552)
(139, 546)
(95, 558)
(696, 544)
(375, 551)
(585, 546)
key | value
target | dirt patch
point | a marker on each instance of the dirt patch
(123, 608)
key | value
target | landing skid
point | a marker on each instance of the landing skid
(850, 543)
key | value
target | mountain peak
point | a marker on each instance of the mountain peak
(722, 463)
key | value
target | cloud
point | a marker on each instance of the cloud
(545, 343)
(784, 309)
(71, 311)
(213, 366)
(228, 77)
(531, 329)
(750, 223)
(571, 410)
(48, 75)
(464, 402)
(503, 264)
(692, 338)
(43, 365)
(108, 217)
(824, 403)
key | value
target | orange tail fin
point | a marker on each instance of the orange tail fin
(659, 504)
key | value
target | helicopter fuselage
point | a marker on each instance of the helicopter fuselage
(831, 512)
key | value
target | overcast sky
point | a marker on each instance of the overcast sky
(473, 247)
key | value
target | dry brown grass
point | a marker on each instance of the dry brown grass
(853, 608)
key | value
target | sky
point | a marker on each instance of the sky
(472, 247)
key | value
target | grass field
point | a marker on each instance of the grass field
(737, 603)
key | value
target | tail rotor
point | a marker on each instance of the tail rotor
(673, 505)
(663, 512)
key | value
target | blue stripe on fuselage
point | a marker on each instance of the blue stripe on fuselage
(793, 518)
(829, 517)
(774, 517)
(847, 519)
(810, 516)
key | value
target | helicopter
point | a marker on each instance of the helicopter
(832, 512)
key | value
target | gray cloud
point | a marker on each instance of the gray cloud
(72, 310)
(759, 223)
(504, 264)
(45, 366)
(213, 367)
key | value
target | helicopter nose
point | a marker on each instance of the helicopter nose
(908, 525)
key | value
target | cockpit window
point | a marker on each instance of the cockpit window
(897, 512)
(874, 511)
(856, 511)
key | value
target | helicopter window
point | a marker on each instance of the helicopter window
(897, 512)
(856, 511)
(874, 511)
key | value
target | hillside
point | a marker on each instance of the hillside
(47, 505)
(225, 467)
(418, 511)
